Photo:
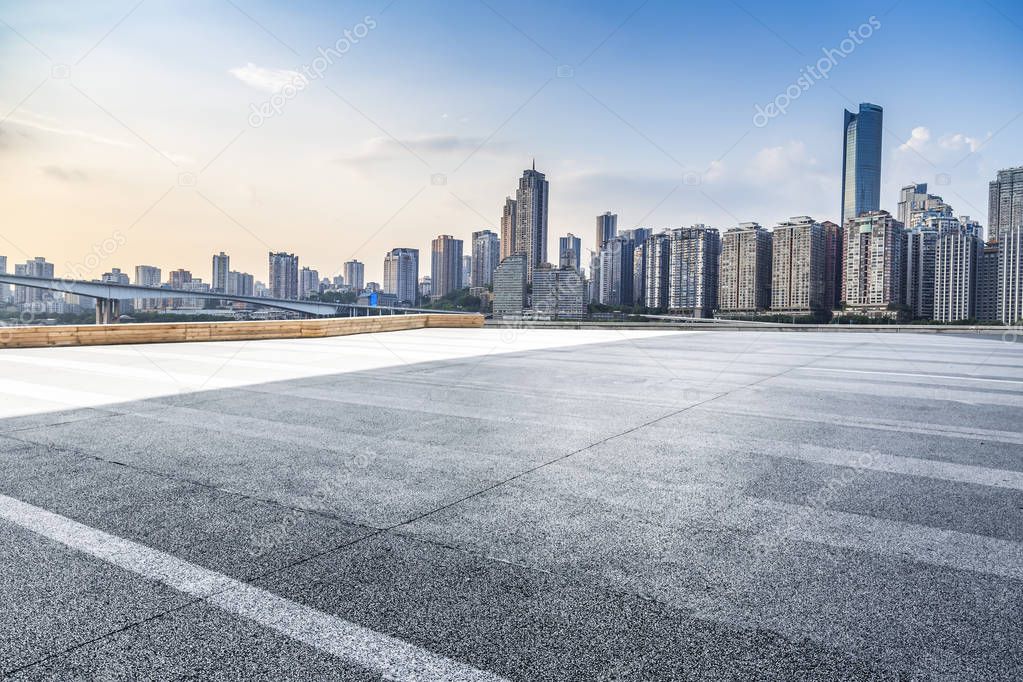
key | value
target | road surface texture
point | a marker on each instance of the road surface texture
(515, 504)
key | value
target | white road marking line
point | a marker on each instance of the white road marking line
(909, 374)
(391, 657)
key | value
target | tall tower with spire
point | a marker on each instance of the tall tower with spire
(531, 218)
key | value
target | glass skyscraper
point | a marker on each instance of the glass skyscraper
(861, 162)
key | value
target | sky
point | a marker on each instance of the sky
(161, 132)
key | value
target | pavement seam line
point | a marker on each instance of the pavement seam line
(394, 658)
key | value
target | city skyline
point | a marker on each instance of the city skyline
(297, 183)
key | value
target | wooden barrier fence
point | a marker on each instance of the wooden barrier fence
(178, 332)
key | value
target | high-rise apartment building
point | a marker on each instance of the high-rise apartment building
(308, 282)
(656, 266)
(873, 263)
(510, 287)
(147, 276)
(30, 296)
(956, 265)
(570, 252)
(744, 277)
(486, 256)
(918, 270)
(914, 202)
(861, 161)
(607, 229)
(355, 274)
(283, 274)
(221, 267)
(693, 270)
(241, 283)
(510, 242)
(177, 279)
(833, 243)
(531, 218)
(558, 293)
(446, 265)
(988, 293)
(401, 275)
(466, 269)
(1005, 202)
(1010, 275)
(115, 276)
(798, 266)
(616, 263)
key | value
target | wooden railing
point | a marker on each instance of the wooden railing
(178, 332)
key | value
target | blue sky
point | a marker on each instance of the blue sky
(150, 131)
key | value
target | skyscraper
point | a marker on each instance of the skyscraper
(486, 255)
(445, 265)
(988, 294)
(861, 161)
(833, 240)
(918, 271)
(401, 274)
(1005, 202)
(744, 278)
(798, 266)
(283, 274)
(241, 283)
(1010, 275)
(607, 228)
(956, 264)
(693, 270)
(466, 269)
(510, 287)
(509, 229)
(355, 274)
(531, 218)
(570, 250)
(5, 292)
(657, 263)
(30, 296)
(221, 266)
(873, 263)
(616, 264)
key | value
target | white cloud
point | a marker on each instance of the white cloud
(267, 80)
(40, 122)
(918, 139)
(381, 149)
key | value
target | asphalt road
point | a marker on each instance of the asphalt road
(518, 504)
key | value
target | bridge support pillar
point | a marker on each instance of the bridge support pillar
(107, 310)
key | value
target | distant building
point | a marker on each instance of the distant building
(510, 242)
(656, 265)
(466, 271)
(148, 276)
(531, 218)
(221, 268)
(861, 162)
(833, 259)
(425, 287)
(401, 274)
(283, 274)
(918, 271)
(988, 294)
(558, 293)
(241, 283)
(570, 252)
(308, 282)
(915, 202)
(957, 261)
(510, 287)
(799, 266)
(5, 292)
(30, 297)
(616, 264)
(693, 270)
(486, 255)
(446, 265)
(873, 263)
(607, 229)
(744, 278)
(1005, 202)
(355, 274)
(1010, 275)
